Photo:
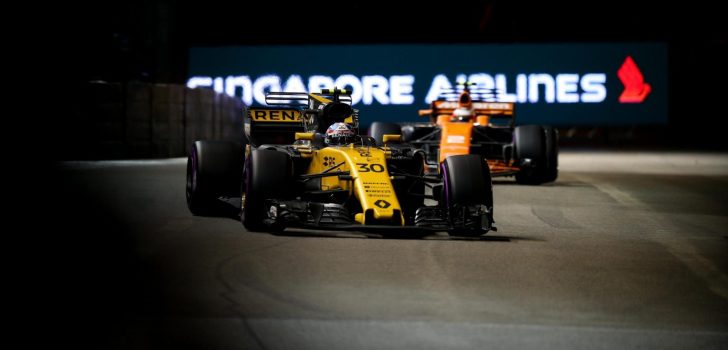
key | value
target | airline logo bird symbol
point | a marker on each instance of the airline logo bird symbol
(635, 88)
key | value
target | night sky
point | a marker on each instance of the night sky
(150, 41)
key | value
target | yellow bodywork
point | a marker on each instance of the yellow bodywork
(372, 185)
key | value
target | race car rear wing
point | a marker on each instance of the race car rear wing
(303, 98)
(286, 98)
(493, 110)
(476, 94)
(288, 112)
(273, 125)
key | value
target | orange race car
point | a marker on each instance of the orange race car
(469, 121)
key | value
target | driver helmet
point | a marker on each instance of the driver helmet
(339, 134)
(462, 114)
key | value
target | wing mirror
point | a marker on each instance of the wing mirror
(304, 136)
(391, 138)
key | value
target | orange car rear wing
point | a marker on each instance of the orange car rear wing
(494, 108)
(490, 110)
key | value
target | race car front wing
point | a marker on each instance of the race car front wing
(332, 216)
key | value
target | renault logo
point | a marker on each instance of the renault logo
(382, 204)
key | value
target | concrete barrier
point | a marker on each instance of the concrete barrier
(167, 120)
(142, 120)
(138, 118)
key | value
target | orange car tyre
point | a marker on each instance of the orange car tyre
(536, 149)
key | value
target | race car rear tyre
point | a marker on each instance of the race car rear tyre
(467, 181)
(214, 169)
(538, 145)
(379, 129)
(552, 154)
(268, 175)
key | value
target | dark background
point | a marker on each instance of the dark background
(89, 277)
(425, 61)
(150, 41)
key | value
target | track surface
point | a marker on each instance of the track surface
(624, 250)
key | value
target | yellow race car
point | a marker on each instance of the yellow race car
(305, 165)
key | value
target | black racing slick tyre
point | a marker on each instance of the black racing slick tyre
(379, 129)
(536, 149)
(268, 175)
(467, 181)
(552, 155)
(214, 169)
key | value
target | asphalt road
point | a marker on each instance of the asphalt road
(623, 251)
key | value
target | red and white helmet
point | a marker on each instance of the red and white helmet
(339, 134)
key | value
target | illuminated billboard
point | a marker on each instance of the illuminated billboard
(554, 84)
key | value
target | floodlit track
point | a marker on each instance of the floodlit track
(625, 250)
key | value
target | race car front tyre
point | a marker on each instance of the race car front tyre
(468, 184)
(536, 149)
(379, 129)
(214, 169)
(268, 175)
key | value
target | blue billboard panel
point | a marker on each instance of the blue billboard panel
(553, 84)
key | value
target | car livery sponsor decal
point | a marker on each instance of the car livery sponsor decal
(635, 88)
(562, 84)
(275, 115)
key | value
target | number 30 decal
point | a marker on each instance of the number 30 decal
(375, 168)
